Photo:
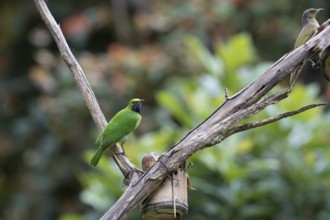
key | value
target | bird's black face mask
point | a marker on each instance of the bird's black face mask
(137, 107)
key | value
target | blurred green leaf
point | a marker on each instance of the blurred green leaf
(211, 63)
(70, 217)
(237, 52)
(170, 101)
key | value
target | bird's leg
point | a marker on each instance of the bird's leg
(293, 78)
(295, 75)
(315, 65)
(122, 148)
(315, 61)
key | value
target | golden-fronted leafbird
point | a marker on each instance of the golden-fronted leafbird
(309, 28)
(116, 131)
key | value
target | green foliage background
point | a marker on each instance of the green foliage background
(179, 56)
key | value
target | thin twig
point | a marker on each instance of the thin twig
(269, 120)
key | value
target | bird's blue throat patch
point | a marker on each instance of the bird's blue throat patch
(137, 107)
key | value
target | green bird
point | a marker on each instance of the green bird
(309, 28)
(116, 131)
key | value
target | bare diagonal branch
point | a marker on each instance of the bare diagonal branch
(121, 160)
(73, 64)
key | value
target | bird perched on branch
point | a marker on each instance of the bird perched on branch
(309, 28)
(116, 131)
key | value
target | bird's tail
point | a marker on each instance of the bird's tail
(294, 75)
(97, 156)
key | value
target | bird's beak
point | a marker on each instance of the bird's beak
(319, 9)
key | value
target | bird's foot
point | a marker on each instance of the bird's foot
(315, 65)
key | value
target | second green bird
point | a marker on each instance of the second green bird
(309, 28)
(116, 131)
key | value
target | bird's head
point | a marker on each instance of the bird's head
(311, 13)
(135, 104)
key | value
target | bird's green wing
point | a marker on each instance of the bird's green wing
(303, 39)
(122, 124)
(306, 33)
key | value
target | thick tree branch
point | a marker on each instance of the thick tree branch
(214, 129)
(217, 126)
